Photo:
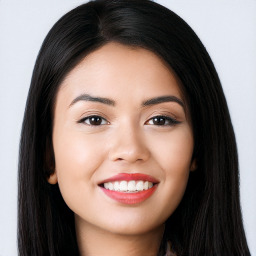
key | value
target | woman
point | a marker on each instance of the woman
(127, 145)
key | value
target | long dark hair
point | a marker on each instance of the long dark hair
(208, 220)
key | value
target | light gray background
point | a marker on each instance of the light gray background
(228, 30)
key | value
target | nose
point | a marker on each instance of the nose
(129, 145)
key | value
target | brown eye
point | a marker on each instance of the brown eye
(94, 120)
(162, 121)
(159, 120)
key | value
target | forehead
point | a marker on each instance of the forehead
(116, 68)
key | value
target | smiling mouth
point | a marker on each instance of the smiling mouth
(130, 188)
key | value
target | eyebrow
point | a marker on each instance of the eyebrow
(149, 102)
(87, 97)
(163, 99)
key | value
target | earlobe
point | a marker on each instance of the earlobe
(193, 165)
(53, 179)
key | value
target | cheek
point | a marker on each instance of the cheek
(77, 156)
(174, 159)
(174, 151)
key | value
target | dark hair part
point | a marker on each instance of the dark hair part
(208, 220)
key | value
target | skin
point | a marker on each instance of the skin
(125, 141)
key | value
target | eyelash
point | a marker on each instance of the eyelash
(171, 121)
(91, 117)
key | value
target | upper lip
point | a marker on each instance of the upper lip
(130, 176)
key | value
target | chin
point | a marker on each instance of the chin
(131, 223)
(133, 230)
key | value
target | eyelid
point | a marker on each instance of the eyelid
(91, 112)
(82, 120)
(173, 121)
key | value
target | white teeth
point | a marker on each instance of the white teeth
(130, 186)
(123, 185)
(145, 185)
(110, 186)
(116, 185)
(139, 185)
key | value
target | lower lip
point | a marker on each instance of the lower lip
(130, 198)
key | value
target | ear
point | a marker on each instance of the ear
(193, 165)
(53, 179)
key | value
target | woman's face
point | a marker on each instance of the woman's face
(120, 123)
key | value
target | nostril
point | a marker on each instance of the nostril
(128, 158)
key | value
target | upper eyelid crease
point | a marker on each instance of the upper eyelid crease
(90, 116)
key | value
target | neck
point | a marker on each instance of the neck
(95, 241)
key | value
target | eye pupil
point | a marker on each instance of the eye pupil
(95, 120)
(159, 120)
